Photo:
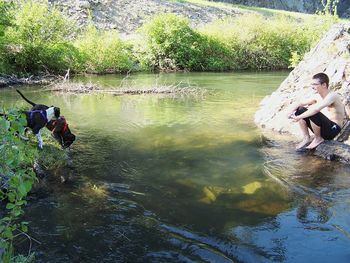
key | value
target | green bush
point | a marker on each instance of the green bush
(17, 175)
(257, 42)
(171, 44)
(102, 52)
(5, 18)
(5, 21)
(40, 39)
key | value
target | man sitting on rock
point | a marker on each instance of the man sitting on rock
(326, 124)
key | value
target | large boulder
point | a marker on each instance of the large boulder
(331, 56)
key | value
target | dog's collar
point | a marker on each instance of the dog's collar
(50, 113)
(65, 125)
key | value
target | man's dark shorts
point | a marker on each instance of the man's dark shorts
(329, 129)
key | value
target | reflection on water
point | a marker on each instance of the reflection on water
(185, 179)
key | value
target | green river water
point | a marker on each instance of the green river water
(160, 178)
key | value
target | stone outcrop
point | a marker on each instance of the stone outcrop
(331, 56)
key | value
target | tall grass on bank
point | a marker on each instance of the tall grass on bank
(36, 37)
(102, 52)
(255, 42)
(5, 21)
(171, 44)
(250, 41)
(39, 39)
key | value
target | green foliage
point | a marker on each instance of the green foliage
(247, 42)
(5, 21)
(294, 60)
(102, 52)
(256, 42)
(5, 16)
(39, 39)
(172, 44)
(330, 7)
(17, 177)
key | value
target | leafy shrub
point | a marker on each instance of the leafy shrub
(172, 44)
(5, 21)
(39, 39)
(16, 176)
(257, 42)
(102, 52)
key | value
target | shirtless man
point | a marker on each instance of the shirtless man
(323, 117)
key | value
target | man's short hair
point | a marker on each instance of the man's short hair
(322, 77)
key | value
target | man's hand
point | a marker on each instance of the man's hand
(289, 114)
(294, 118)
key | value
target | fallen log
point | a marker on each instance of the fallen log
(336, 149)
(81, 88)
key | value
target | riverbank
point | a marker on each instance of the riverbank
(6, 80)
(163, 41)
(22, 167)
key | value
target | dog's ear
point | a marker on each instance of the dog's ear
(57, 112)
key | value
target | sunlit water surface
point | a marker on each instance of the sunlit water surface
(161, 178)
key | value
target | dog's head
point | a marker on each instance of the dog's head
(57, 111)
(67, 139)
(61, 131)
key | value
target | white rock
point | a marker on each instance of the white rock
(332, 56)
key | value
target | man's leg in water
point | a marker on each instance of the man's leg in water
(306, 135)
(318, 139)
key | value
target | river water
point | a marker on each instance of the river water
(159, 178)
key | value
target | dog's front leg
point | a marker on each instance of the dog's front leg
(40, 140)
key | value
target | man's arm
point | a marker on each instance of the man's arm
(312, 110)
(298, 104)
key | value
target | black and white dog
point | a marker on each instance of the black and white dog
(38, 116)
